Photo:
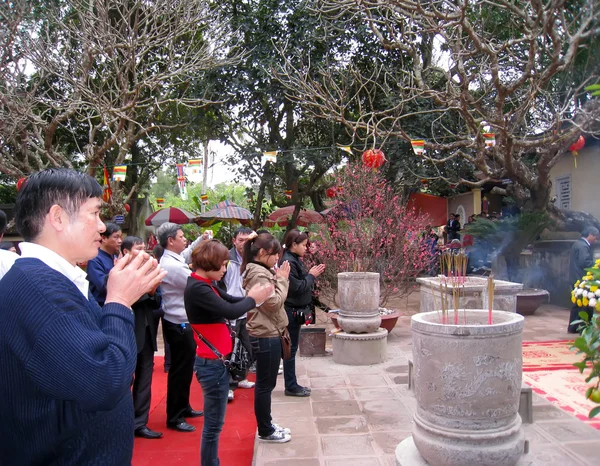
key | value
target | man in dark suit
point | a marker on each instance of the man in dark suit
(581, 259)
(145, 340)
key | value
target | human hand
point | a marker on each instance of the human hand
(260, 292)
(208, 234)
(317, 270)
(284, 270)
(132, 277)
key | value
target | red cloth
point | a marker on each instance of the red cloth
(217, 334)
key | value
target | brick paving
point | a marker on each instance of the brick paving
(357, 415)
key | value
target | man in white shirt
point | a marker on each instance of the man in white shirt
(7, 258)
(177, 330)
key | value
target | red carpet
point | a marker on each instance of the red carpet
(548, 355)
(236, 447)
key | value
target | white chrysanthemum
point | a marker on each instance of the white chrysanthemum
(578, 292)
(593, 302)
(597, 293)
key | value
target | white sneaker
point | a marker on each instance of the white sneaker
(246, 384)
(280, 371)
(276, 437)
(230, 396)
(277, 427)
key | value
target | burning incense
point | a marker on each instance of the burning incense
(490, 297)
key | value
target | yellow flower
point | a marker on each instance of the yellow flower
(573, 299)
(594, 288)
(577, 283)
(586, 301)
(582, 285)
(579, 302)
(598, 306)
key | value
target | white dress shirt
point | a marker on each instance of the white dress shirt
(173, 285)
(58, 263)
(7, 259)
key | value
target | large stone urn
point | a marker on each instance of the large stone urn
(361, 341)
(467, 385)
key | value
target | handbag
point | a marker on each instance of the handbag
(286, 345)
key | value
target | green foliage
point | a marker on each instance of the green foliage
(588, 345)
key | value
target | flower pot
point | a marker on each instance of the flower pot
(529, 300)
(467, 382)
(388, 321)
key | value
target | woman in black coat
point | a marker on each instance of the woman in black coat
(297, 304)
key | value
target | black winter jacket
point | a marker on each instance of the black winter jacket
(301, 282)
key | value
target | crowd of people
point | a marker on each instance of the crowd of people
(77, 347)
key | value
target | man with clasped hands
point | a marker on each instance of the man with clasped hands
(66, 362)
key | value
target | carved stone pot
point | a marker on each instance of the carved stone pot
(358, 295)
(467, 385)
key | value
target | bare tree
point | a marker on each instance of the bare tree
(95, 77)
(514, 68)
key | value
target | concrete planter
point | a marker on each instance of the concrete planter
(358, 295)
(388, 321)
(529, 300)
(473, 295)
(467, 385)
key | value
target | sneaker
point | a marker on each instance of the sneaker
(230, 396)
(278, 428)
(280, 371)
(252, 369)
(245, 384)
(277, 436)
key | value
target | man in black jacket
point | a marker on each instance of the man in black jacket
(145, 339)
(581, 259)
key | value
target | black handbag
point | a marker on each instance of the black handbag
(237, 362)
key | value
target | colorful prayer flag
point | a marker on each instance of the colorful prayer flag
(107, 192)
(489, 139)
(418, 146)
(119, 172)
(194, 170)
(181, 181)
(345, 149)
(269, 157)
(288, 193)
(160, 202)
(204, 199)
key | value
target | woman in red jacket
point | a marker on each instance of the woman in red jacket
(208, 309)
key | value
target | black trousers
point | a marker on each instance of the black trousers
(575, 310)
(183, 353)
(142, 383)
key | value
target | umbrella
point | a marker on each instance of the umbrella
(225, 211)
(170, 214)
(282, 217)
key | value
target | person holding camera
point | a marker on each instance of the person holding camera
(208, 309)
(298, 302)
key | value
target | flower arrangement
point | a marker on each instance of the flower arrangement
(586, 292)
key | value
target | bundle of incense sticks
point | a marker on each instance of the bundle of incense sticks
(454, 265)
(490, 290)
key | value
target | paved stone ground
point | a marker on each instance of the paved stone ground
(357, 415)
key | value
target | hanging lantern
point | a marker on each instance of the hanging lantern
(331, 192)
(576, 147)
(20, 183)
(489, 139)
(373, 158)
(127, 208)
(418, 146)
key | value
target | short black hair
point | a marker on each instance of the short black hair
(110, 229)
(587, 231)
(262, 230)
(242, 231)
(3, 222)
(129, 242)
(62, 186)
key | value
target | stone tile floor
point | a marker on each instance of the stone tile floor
(357, 415)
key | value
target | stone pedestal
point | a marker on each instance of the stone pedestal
(361, 341)
(360, 349)
(473, 295)
(467, 381)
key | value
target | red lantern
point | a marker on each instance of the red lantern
(20, 183)
(330, 192)
(127, 208)
(578, 145)
(373, 158)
